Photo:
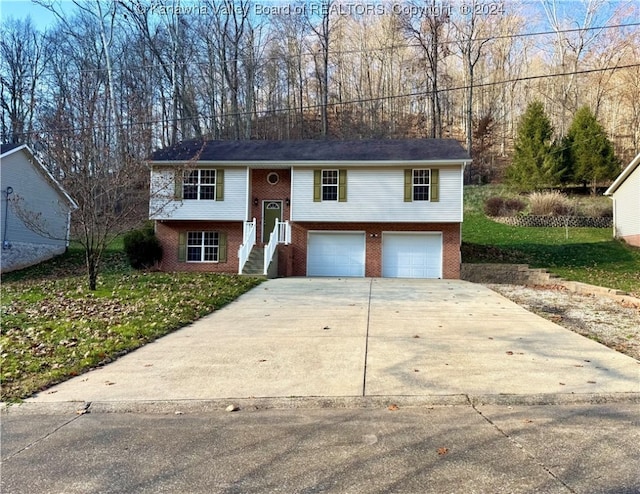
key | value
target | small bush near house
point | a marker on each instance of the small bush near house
(498, 206)
(596, 209)
(494, 206)
(550, 204)
(142, 247)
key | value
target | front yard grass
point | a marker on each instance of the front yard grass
(53, 328)
(589, 255)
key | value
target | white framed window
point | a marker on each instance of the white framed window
(329, 185)
(203, 246)
(421, 184)
(199, 184)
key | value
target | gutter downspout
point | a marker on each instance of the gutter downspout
(5, 243)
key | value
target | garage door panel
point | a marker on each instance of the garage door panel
(412, 255)
(335, 254)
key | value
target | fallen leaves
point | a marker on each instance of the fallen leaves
(443, 451)
(52, 330)
(393, 407)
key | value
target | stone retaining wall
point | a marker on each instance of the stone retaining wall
(516, 274)
(555, 221)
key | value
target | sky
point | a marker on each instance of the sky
(43, 18)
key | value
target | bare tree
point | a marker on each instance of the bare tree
(321, 27)
(89, 149)
(168, 44)
(23, 58)
(570, 46)
(471, 38)
(429, 31)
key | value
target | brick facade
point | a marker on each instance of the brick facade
(168, 233)
(293, 258)
(262, 190)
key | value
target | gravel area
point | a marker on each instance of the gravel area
(597, 317)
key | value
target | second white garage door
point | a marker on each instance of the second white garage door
(335, 254)
(412, 255)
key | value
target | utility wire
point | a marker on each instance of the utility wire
(332, 104)
(339, 53)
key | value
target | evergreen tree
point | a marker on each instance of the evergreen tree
(591, 151)
(534, 165)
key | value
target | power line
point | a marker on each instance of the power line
(339, 53)
(335, 104)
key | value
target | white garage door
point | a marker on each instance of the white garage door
(412, 255)
(335, 254)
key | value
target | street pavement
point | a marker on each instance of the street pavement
(341, 385)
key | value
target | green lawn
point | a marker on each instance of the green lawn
(589, 255)
(54, 328)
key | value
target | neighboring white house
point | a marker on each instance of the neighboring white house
(390, 208)
(34, 208)
(625, 192)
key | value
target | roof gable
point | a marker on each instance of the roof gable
(315, 150)
(37, 164)
(626, 173)
(6, 149)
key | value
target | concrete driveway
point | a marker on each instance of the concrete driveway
(362, 338)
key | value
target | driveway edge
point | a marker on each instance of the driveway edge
(340, 402)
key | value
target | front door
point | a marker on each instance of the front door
(271, 210)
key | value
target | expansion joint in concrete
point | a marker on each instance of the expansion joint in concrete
(81, 411)
(513, 441)
(366, 341)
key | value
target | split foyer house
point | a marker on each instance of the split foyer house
(390, 208)
(625, 193)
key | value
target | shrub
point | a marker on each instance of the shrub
(494, 206)
(514, 206)
(597, 210)
(498, 206)
(142, 247)
(550, 204)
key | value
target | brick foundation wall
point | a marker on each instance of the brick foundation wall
(293, 258)
(168, 233)
(264, 191)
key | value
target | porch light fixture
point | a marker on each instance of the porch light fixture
(287, 202)
(255, 201)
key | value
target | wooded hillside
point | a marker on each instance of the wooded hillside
(132, 76)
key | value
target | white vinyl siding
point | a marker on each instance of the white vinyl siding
(36, 199)
(163, 206)
(377, 195)
(627, 206)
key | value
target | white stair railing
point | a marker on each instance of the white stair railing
(248, 241)
(281, 234)
(284, 233)
(270, 248)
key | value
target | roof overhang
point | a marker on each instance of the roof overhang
(635, 162)
(42, 169)
(313, 164)
(14, 150)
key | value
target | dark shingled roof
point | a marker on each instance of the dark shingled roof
(320, 150)
(5, 148)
